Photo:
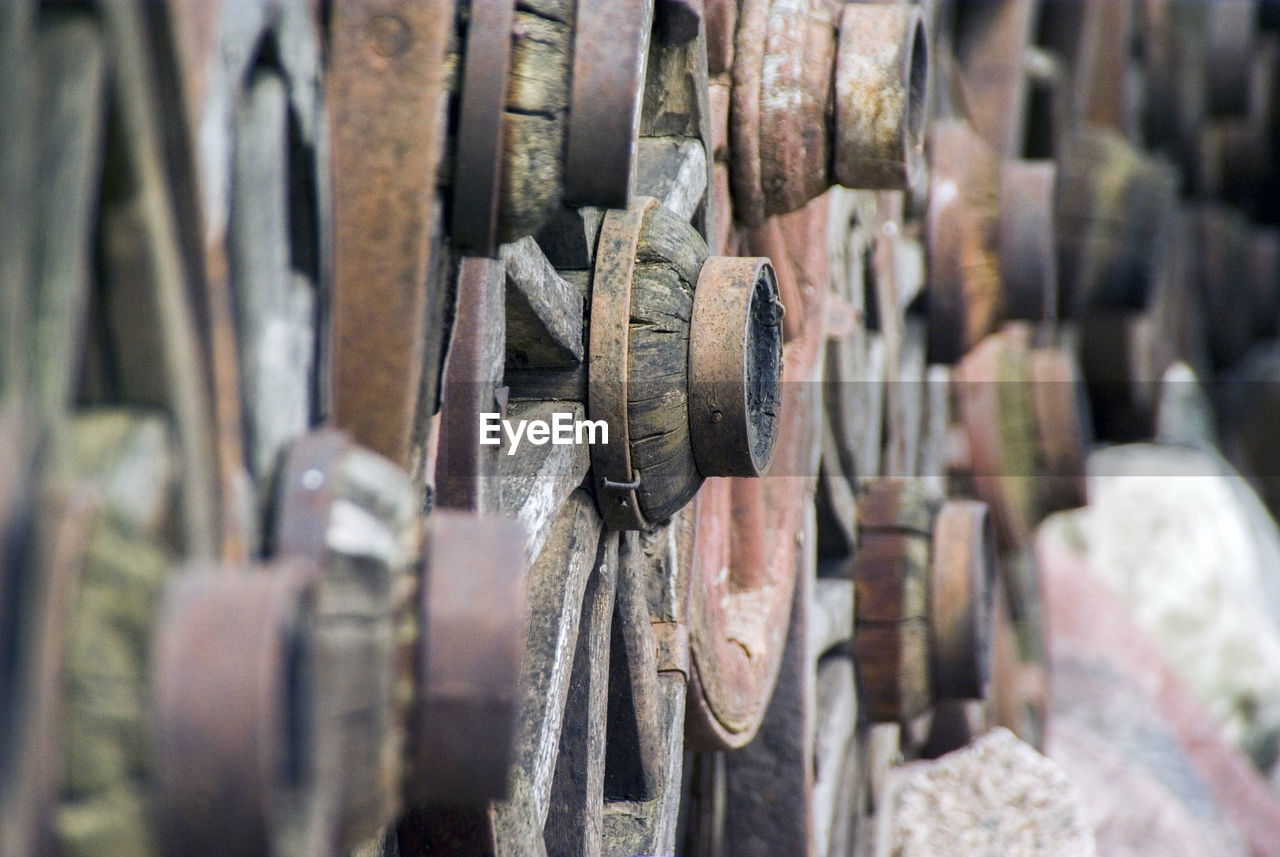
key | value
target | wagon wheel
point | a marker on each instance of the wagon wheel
(117, 388)
(248, 75)
(764, 797)
(599, 745)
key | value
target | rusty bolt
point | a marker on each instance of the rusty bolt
(231, 705)
(735, 366)
(923, 579)
(881, 96)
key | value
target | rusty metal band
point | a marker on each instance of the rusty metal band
(1028, 248)
(462, 464)
(727, 324)
(227, 705)
(615, 482)
(610, 54)
(961, 600)
(881, 85)
(306, 495)
(386, 93)
(1062, 426)
(477, 173)
(746, 171)
(471, 610)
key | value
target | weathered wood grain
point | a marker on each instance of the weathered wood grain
(569, 239)
(556, 593)
(537, 480)
(106, 803)
(544, 310)
(575, 820)
(677, 104)
(837, 757)
(534, 124)
(667, 260)
(831, 615)
(17, 182)
(72, 65)
(183, 369)
(673, 171)
(275, 304)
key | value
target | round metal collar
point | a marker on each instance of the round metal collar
(615, 482)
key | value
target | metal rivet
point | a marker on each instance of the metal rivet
(390, 37)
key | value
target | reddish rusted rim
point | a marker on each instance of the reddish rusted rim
(471, 611)
(735, 366)
(753, 537)
(795, 104)
(737, 626)
(744, 124)
(610, 55)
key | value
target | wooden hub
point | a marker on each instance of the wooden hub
(924, 578)
(685, 365)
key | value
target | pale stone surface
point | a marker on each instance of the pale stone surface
(1184, 416)
(995, 798)
(1156, 776)
(1184, 542)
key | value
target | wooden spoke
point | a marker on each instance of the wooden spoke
(556, 593)
(275, 303)
(537, 480)
(73, 65)
(575, 819)
(674, 172)
(544, 311)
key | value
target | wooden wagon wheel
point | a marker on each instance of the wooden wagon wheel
(764, 797)
(117, 388)
(594, 319)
